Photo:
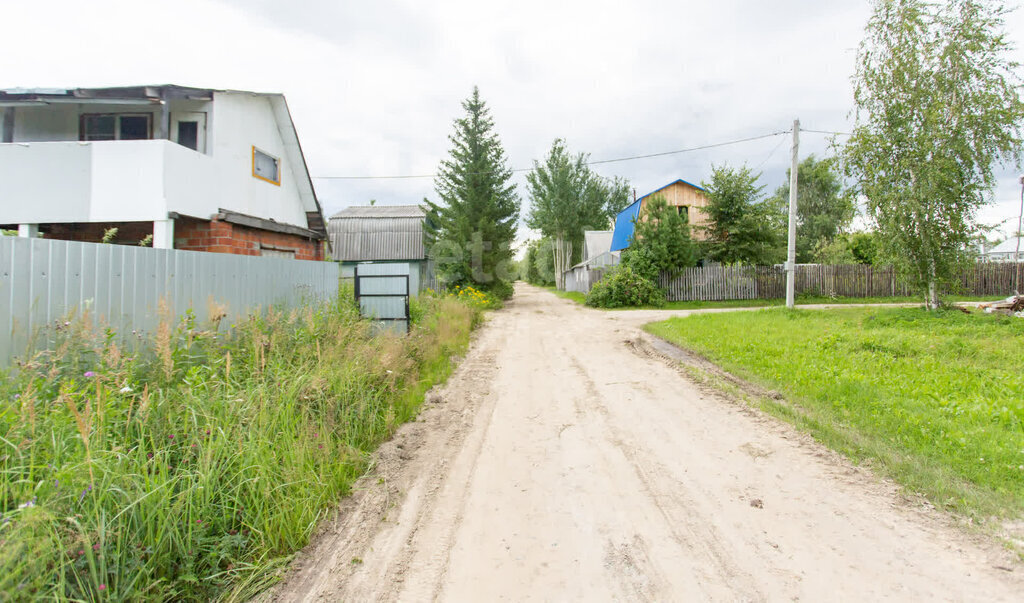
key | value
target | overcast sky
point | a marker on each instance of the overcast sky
(374, 86)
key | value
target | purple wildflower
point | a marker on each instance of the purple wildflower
(89, 374)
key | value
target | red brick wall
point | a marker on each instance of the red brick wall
(225, 237)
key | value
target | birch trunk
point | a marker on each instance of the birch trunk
(562, 253)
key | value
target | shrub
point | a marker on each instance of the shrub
(481, 300)
(624, 288)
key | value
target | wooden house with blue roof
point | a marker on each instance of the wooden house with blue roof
(689, 200)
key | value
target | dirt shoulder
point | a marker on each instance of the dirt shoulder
(568, 459)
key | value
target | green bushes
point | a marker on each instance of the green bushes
(195, 467)
(624, 287)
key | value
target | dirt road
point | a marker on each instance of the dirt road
(563, 462)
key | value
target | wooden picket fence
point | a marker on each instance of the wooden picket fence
(718, 283)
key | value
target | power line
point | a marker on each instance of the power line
(597, 162)
(770, 155)
(836, 133)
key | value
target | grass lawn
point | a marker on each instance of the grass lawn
(935, 401)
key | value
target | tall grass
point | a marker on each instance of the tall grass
(192, 468)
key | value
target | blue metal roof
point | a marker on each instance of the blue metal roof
(623, 232)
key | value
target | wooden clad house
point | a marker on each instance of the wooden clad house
(688, 199)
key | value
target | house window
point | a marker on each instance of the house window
(188, 134)
(266, 167)
(271, 252)
(684, 212)
(113, 126)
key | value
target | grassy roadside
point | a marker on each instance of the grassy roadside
(194, 469)
(575, 296)
(935, 401)
(580, 298)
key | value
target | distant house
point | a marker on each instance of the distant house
(597, 257)
(1006, 251)
(198, 169)
(382, 233)
(688, 199)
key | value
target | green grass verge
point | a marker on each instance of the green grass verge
(935, 400)
(193, 468)
(575, 296)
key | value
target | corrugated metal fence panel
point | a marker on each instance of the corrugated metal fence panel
(42, 281)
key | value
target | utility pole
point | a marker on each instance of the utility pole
(791, 253)
(1019, 233)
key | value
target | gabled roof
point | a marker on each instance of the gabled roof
(378, 233)
(1007, 246)
(624, 226)
(381, 211)
(596, 242)
(679, 181)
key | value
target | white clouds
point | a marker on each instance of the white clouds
(373, 87)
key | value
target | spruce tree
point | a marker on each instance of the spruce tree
(470, 231)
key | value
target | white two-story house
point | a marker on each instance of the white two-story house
(198, 169)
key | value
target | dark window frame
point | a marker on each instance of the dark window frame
(117, 124)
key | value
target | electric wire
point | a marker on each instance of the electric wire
(596, 162)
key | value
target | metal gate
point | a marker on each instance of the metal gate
(382, 293)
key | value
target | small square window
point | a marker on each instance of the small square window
(266, 167)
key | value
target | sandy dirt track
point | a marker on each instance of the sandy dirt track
(565, 460)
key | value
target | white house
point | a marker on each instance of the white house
(1006, 251)
(212, 170)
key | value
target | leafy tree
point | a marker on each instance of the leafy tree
(470, 232)
(852, 248)
(824, 210)
(937, 106)
(567, 199)
(661, 241)
(537, 266)
(544, 263)
(741, 228)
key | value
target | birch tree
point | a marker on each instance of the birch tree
(937, 108)
(566, 199)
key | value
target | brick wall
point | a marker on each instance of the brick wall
(224, 237)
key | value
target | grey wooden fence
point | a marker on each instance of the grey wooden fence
(43, 281)
(717, 283)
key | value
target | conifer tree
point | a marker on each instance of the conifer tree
(470, 231)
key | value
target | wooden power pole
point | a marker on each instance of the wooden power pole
(791, 247)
